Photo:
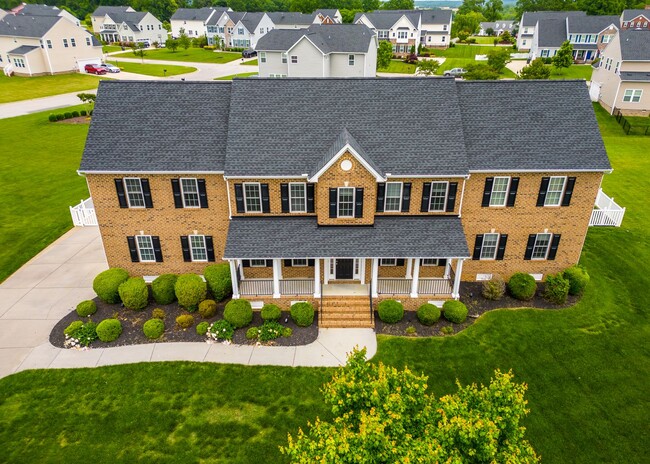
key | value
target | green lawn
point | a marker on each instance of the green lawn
(152, 69)
(232, 76)
(251, 62)
(464, 51)
(575, 71)
(485, 40)
(25, 88)
(38, 169)
(398, 66)
(451, 63)
(111, 48)
(587, 369)
(197, 55)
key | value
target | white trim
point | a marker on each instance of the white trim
(506, 192)
(517, 170)
(427, 176)
(153, 251)
(126, 192)
(259, 187)
(250, 262)
(416, 278)
(293, 264)
(233, 278)
(444, 205)
(205, 248)
(561, 197)
(229, 203)
(548, 246)
(304, 184)
(381, 262)
(496, 247)
(81, 172)
(302, 176)
(338, 202)
(462, 196)
(304, 36)
(223, 258)
(198, 195)
(401, 195)
(347, 148)
(375, 277)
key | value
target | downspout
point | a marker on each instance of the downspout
(462, 196)
(228, 192)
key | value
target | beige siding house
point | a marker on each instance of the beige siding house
(193, 21)
(124, 24)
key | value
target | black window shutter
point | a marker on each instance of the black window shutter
(146, 191)
(543, 187)
(512, 193)
(133, 249)
(529, 246)
(501, 250)
(554, 244)
(185, 245)
(203, 195)
(442, 262)
(426, 193)
(209, 247)
(157, 251)
(287, 263)
(176, 190)
(121, 196)
(311, 262)
(239, 198)
(310, 198)
(358, 207)
(406, 197)
(245, 263)
(266, 201)
(269, 263)
(568, 191)
(400, 262)
(451, 197)
(487, 191)
(284, 196)
(381, 195)
(333, 202)
(478, 244)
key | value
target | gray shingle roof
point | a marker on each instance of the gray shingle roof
(23, 50)
(132, 19)
(158, 126)
(288, 18)
(629, 15)
(337, 38)
(530, 18)
(27, 26)
(103, 10)
(33, 9)
(331, 12)
(638, 76)
(342, 140)
(435, 16)
(386, 19)
(507, 25)
(560, 130)
(552, 32)
(301, 237)
(635, 45)
(591, 24)
(196, 14)
(251, 20)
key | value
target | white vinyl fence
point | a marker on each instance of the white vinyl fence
(606, 212)
(83, 214)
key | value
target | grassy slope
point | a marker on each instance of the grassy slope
(576, 71)
(25, 88)
(40, 179)
(197, 55)
(398, 66)
(232, 76)
(152, 69)
(111, 48)
(254, 62)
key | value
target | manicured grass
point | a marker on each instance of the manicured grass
(25, 88)
(486, 40)
(251, 62)
(111, 48)
(398, 66)
(575, 71)
(451, 63)
(465, 51)
(232, 76)
(197, 55)
(152, 69)
(38, 169)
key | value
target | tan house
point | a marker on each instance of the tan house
(622, 80)
(35, 9)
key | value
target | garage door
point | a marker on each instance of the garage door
(82, 63)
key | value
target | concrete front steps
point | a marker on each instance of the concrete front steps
(346, 312)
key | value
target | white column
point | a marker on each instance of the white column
(362, 270)
(416, 277)
(276, 278)
(455, 294)
(317, 278)
(375, 276)
(409, 267)
(326, 270)
(233, 278)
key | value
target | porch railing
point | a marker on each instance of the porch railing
(265, 286)
(606, 211)
(435, 286)
(394, 286)
(296, 286)
(426, 286)
(256, 287)
(83, 214)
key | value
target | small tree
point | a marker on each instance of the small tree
(564, 56)
(497, 59)
(506, 37)
(536, 70)
(139, 50)
(480, 72)
(87, 98)
(384, 54)
(428, 67)
(171, 44)
(462, 36)
(183, 40)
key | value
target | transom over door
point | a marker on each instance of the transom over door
(344, 268)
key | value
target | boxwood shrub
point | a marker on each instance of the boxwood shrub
(86, 308)
(207, 308)
(60, 117)
(109, 330)
(134, 293)
(67, 115)
(390, 311)
(83, 112)
(578, 279)
(190, 290)
(454, 311)
(185, 321)
(52, 117)
(270, 312)
(218, 278)
(556, 289)
(202, 328)
(239, 313)
(158, 313)
(428, 314)
(106, 284)
(522, 286)
(162, 288)
(252, 333)
(75, 114)
(302, 314)
(153, 328)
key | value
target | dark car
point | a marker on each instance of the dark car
(249, 53)
(94, 69)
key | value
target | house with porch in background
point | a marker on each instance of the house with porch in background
(320, 201)
(124, 24)
(498, 27)
(193, 21)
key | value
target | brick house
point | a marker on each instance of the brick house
(327, 202)
(636, 19)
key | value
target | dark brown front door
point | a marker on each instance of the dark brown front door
(344, 268)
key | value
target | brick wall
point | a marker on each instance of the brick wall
(275, 196)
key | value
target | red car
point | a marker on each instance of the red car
(94, 69)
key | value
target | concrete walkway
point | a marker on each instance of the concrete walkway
(49, 286)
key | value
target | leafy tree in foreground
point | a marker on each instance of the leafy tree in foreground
(480, 72)
(564, 56)
(183, 40)
(498, 59)
(428, 67)
(536, 70)
(171, 44)
(382, 414)
(384, 54)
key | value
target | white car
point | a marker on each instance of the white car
(110, 67)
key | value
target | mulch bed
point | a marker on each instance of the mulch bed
(470, 294)
(77, 120)
(132, 322)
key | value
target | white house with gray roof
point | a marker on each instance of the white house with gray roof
(528, 25)
(498, 27)
(193, 21)
(124, 24)
(337, 50)
(249, 29)
(35, 9)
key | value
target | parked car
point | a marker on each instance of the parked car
(111, 68)
(455, 72)
(94, 69)
(249, 53)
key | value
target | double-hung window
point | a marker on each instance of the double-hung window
(294, 59)
(198, 249)
(72, 42)
(190, 193)
(88, 41)
(438, 197)
(299, 262)
(489, 248)
(541, 246)
(351, 60)
(393, 201)
(145, 248)
(240, 31)
(258, 263)
(134, 192)
(388, 262)
(632, 95)
(555, 191)
(262, 57)
(284, 57)
(49, 43)
(252, 197)
(346, 202)
(297, 197)
(65, 43)
(499, 191)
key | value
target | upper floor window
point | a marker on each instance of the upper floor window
(382, 34)
(230, 29)
(190, 193)
(393, 200)
(297, 197)
(541, 246)
(444, 27)
(261, 30)
(262, 57)
(554, 191)
(345, 202)
(489, 246)
(88, 41)
(606, 38)
(240, 30)
(402, 34)
(65, 43)
(134, 192)
(284, 57)
(72, 42)
(438, 196)
(351, 60)
(198, 250)
(632, 95)
(294, 59)
(144, 245)
(499, 191)
(49, 43)
(252, 197)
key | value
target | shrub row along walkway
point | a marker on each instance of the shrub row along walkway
(49, 286)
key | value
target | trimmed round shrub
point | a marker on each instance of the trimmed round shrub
(493, 289)
(162, 289)
(207, 308)
(185, 321)
(75, 114)
(106, 284)
(454, 311)
(153, 328)
(109, 330)
(72, 328)
(86, 308)
(239, 313)
(270, 330)
(270, 312)
(190, 290)
(287, 332)
(202, 328)
(218, 278)
(252, 333)
(83, 112)
(52, 118)
(578, 279)
(134, 293)
(428, 314)
(302, 314)
(67, 115)
(390, 311)
(221, 330)
(158, 313)
(556, 289)
(522, 286)
(60, 117)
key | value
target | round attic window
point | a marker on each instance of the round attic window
(346, 165)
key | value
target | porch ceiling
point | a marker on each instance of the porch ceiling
(389, 237)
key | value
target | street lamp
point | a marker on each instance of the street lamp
(164, 73)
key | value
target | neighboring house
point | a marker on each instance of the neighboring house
(311, 189)
(193, 21)
(249, 29)
(36, 45)
(222, 27)
(124, 24)
(636, 19)
(622, 80)
(329, 16)
(336, 50)
(498, 27)
(34, 9)
(291, 20)
(528, 24)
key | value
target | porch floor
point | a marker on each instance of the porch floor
(345, 290)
